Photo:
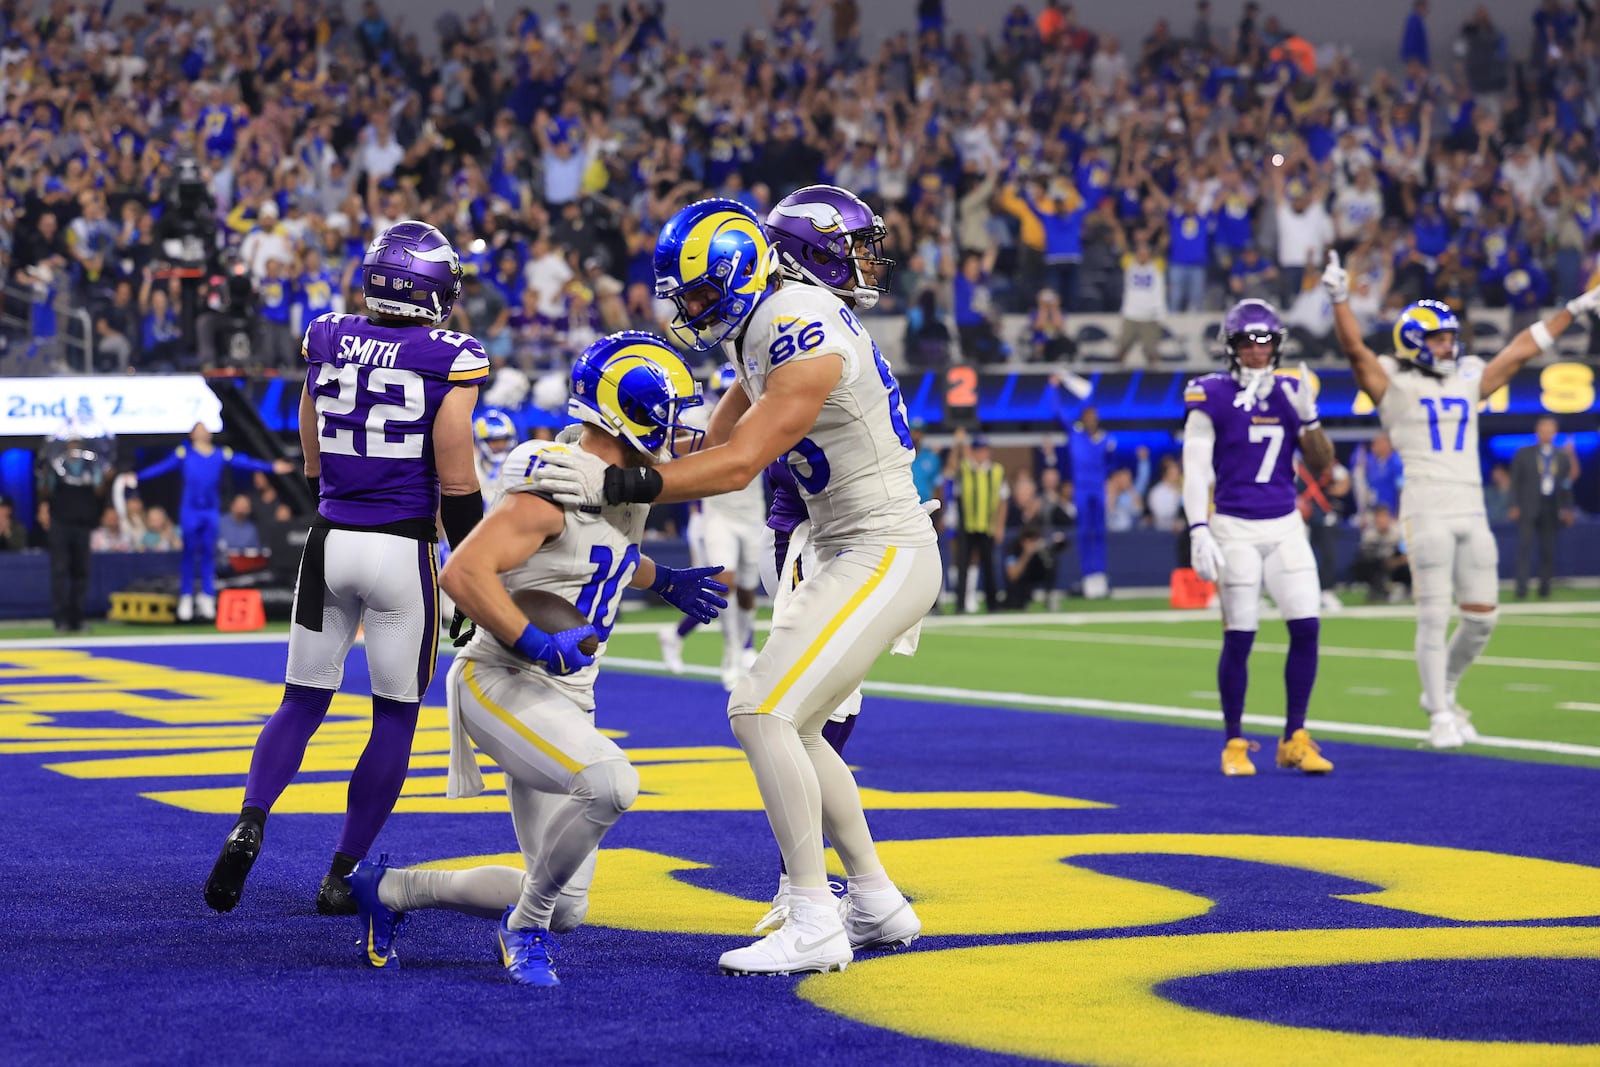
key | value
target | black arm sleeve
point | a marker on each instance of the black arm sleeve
(459, 515)
(632, 485)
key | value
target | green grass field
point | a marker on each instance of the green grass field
(1534, 695)
(1538, 682)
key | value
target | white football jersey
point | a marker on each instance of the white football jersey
(854, 467)
(489, 478)
(1433, 424)
(589, 565)
(747, 505)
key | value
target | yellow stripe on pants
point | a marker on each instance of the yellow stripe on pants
(512, 721)
(805, 661)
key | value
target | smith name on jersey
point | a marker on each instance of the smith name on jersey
(377, 390)
(854, 467)
(1255, 444)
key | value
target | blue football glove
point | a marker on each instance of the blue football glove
(692, 591)
(557, 653)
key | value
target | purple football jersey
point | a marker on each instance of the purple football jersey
(788, 508)
(1256, 442)
(377, 390)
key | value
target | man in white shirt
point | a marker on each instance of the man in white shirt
(1356, 206)
(379, 153)
(547, 274)
(1304, 230)
(1144, 302)
(265, 243)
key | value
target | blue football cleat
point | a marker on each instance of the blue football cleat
(527, 954)
(379, 925)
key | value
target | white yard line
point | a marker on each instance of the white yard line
(1575, 705)
(1155, 711)
(1212, 644)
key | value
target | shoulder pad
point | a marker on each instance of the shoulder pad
(516, 472)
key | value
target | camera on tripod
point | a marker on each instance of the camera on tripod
(188, 228)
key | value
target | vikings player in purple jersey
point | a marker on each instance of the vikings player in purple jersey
(1239, 436)
(386, 426)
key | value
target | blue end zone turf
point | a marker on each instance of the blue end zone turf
(1322, 898)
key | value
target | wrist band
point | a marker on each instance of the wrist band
(1541, 337)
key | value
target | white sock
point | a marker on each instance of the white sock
(1433, 619)
(1467, 644)
(789, 792)
(483, 891)
(566, 835)
(843, 821)
(732, 642)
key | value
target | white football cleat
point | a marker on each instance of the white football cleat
(773, 920)
(671, 648)
(185, 608)
(1443, 732)
(1463, 719)
(206, 604)
(1464, 727)
(880, 919)
(1331, 604)
(812, 939)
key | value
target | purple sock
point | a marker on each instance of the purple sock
(282, 744)
(1300, 671)
(837, 733)
(1233, 676)
(685, 625)
(379, 774)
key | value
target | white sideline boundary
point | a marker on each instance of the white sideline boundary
(984, 697)
(1210, 716)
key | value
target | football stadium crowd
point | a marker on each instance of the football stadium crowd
(201, 182)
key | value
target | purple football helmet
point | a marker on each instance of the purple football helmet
(827, 236)
(411, 272)
(1251, 320)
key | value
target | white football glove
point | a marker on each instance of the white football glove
(1588, 303)
(1205, 555)
(1336, 280)
(1305, 405)
(573, 477)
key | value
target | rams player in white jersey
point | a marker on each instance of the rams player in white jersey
(526, 697)
(816, 390)
(495, 435)
(1427, 401)
(729, 530)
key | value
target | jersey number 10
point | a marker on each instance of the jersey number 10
(604, 589)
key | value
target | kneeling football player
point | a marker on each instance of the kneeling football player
(526, 696)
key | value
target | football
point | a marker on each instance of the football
(552, 614)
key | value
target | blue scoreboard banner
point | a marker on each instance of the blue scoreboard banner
(1027, 399)
(1021, 398)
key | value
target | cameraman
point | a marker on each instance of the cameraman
(1032, 557)
(1030, 566)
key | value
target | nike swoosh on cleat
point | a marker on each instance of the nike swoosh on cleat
(373, 955)
(803, 947)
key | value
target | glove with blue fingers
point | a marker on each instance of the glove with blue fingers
(557, 653)
(692, 591)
